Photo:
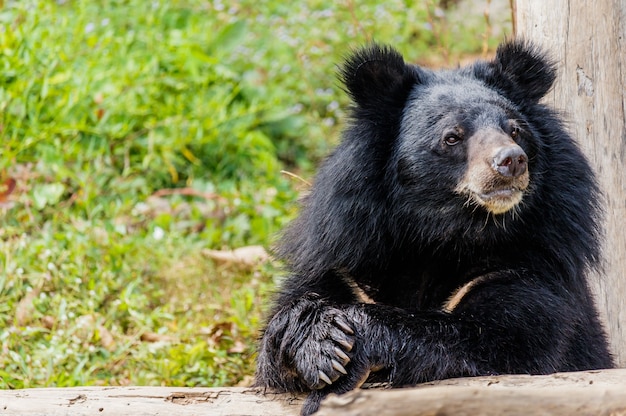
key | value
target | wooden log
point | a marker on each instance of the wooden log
(590, 392)
(581, 393)
(140, 401)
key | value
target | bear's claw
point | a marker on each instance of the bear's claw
(342, 355)
(338, 367)
(343, 325)
(323, 377)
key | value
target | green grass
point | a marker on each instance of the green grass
(140, 134)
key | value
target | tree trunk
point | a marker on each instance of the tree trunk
(588, 41)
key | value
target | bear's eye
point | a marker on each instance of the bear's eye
(514, 132)
(451, 139)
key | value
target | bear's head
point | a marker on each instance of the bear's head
(458, 134)
(455, 161)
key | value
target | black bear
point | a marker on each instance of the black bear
(449, 234)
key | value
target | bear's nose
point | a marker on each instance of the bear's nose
(510, 161)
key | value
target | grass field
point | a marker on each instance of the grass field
(139, 135)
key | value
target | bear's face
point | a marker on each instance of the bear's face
(452, 143)
(460, 138)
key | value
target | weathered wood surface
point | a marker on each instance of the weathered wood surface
(588, 39)
(144, 401)
(589, 393)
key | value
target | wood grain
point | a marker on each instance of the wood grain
(587, 392)
(588, 39)
(566, 394)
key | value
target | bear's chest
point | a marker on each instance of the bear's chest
(418, 288)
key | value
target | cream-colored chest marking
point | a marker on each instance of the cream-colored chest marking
(361, 295)
(454, 300)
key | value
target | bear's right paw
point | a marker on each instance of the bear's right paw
(325, 347)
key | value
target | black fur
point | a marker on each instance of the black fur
(387, 218)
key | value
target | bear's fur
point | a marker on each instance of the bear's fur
(449, 234)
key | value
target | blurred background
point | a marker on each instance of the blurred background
(150, 153)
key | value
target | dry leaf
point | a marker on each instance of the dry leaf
(188, 192)
(238, 348)
(154, 337)
(106, 338)
(25, 308)
(87, 326)
(6, 188)
(48, 322)
(219, 330)
(244, 256)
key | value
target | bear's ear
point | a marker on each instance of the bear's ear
(521, 70)
(376, 77)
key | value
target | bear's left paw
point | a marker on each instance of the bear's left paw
(325, 350)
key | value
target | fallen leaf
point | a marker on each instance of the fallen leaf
(154, 337)
(238, 348)
(106, 339)
(25, 308)
(244, 256)
(7, 188)
(188, 192)
(217, 332)
(48, 322)
(88, 329)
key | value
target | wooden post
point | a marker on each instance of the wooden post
(588, 39)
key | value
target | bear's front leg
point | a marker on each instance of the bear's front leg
(305, 346)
